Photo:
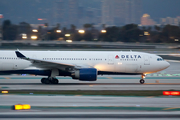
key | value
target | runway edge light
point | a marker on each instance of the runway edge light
(26, 107)
(173, 93)
(4, 92)
(17, 107)
(21, 107)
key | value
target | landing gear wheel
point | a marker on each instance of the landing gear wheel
(43, 80)
(47, 81)
(142, 81)
(55, 81)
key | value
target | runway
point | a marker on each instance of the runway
(89, 101)
(91, 116)
(168, 79)
(103, 83)
(45, 107)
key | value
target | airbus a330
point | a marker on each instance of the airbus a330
(80, 65)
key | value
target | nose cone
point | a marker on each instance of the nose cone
(162, 65)
(166, 64)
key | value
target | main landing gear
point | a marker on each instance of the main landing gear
(49, 80)
(142, 81)
(52, 78)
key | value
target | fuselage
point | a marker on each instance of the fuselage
(105, 62)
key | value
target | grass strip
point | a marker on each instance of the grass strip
(99, 108)
(111, 108)
(91, 92)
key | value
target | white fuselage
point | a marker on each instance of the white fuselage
(115, 62)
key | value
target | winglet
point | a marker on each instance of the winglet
(20, 55)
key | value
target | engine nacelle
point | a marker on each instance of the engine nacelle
(85, 74)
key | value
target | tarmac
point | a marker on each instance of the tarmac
(99, 107)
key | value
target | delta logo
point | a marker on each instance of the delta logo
(117, 57)
(127, 56)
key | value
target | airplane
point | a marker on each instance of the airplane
(80, 65)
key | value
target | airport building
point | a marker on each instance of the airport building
(77, 12)
(89, 12)
(147, 21)
(170, 21)
(133, 11)
(120, 12)
(97, 12)
(66, 12)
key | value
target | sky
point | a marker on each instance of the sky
(13, 9)
(161, 8)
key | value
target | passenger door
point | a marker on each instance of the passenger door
(110, 60)
(110, 65)
(146, 60)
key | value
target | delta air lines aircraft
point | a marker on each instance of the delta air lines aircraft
(80, 65)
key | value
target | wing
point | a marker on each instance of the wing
(47, 64)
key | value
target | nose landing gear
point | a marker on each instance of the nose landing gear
(142, 81)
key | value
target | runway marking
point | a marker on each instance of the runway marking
(4, 87)
(90, 85)
(161, 83)
(150, 97)
(170, 108)
(109, 77)
(141, 108)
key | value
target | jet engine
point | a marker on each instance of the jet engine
(85, 74)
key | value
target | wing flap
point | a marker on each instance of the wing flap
(45, 64)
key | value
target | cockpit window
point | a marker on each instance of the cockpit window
(160, 59)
